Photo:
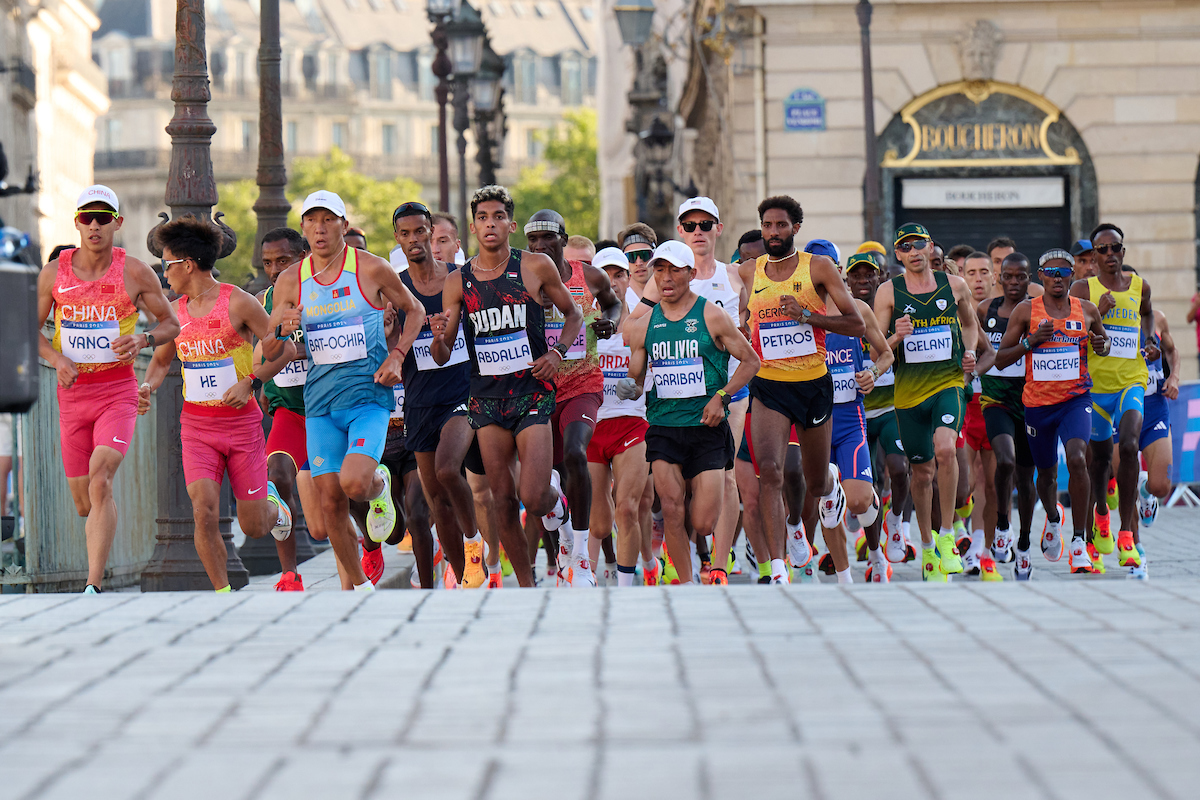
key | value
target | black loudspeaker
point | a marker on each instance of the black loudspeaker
(18, 337)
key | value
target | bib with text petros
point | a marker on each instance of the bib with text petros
(208, 380)
(926, 345)
(422, 351)
(786, 338)
(337, 342)
(503, 354)
(89, 342)
(1054, 362)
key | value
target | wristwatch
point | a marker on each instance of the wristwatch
(562, 348)
(255, 382)
(1025, 343)
(805, 315)
(725, 398)
(149, 341)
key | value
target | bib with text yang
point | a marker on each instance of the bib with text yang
(90, 342)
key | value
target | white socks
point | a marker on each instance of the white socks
(580, 542)
(778, 568)
(365, 586)
(976, 547)
(845, 577)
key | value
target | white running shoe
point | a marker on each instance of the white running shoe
(1002, 543)
(381, 517)
(797, 545)
(1079, 560)
(580, 575)
(894, 547)
(1053, 545)
(1138, 573)
(833, 505)
(282, 528)
(560, 512)
(1024, 566)
(868, 517)
(1147, 504)
(971, 563)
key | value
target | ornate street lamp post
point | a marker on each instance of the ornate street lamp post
(489, 117)
(466, 34)
(874, 211)
(439, 13)
(272, 205)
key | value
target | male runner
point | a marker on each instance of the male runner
(96, 292)
(785, 294)
(687, 342)
(221, 422)
(751, 246)
(356, 238)
(339, 295)
(638, 242)
(444, 240)
(617, 451)
(1004, 418)
(976, 461)
(579, 248)
(999, 249)
(579, 382)
(283, 399)
(932, 314)
(435, 405)
(512, 369)
(1051, 333)
(1085, 260)
(958, 254)
(1119, 379)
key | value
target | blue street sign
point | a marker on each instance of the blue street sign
(804, 110)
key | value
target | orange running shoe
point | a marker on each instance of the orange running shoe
(495, 581)
(290, 582)
(988, 571)
(449, 579)
(706, 569)
(475, 576)
(1127, 550)
(652, 576)
(372, 564)
(1102, 538)
(718, 577)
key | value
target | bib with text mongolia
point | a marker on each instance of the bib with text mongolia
(503, 355)
(845, 386)
(679, 378)
(1124, 340)
(578, 348)
(337, 342)
(423, 353)
(208, 380)
(89, 342)
(786, 339)
(1056, 362)
(927, 345)
(294, 374)
(398, 395)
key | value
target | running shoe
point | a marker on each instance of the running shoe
(868, 517)
(805, 574)
(1053, 544)
(1112, 498)
(877, 575)
(733, 567)
(1102, 536)
(652, 576)
(1079, 560)
(1142, 571)
(1097, 559)
(560, 512)
(372, 564)
(1147, 504)
(962, 539)
(476, 575)
(670, 575)
(580, 575)
(610, 574)
(290, 582)
(1024, 566)
(1002, 544)
(910, 552)
(798, 548)
(833, 505)
(988, 571)
(1127, 551)
(495, 581)
(705, 572)
(718, 577)
(895, 547)
(764, 579)
(951, 561)
(971, 563)
(93, 589)
(825, 563)
(449, 579)
(282, 528)
(931, 565)
(404, 545)
(861, 550)
(781, 580)
(381, 518)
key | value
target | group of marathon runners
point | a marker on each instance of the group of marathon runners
(635, 400)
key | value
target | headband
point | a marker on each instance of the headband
(636, 238)
(1056, 253)
(545, 225)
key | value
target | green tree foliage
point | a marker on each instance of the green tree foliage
(568, 180)
(369, 205)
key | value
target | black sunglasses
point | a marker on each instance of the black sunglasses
(104, 217)
(1105, 249)
(704, 225)
(638, 255)
(905, 247)
(410, 209)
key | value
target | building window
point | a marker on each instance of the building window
(572, 80)
(293, 137)
(525, 78)
(239, 75)
(112, 134)
(308, 66)
(381, 74)
(389, 140)
(341, 135)
(518, 9)
(426, 80)
(247, 135)
(331, 69)
(534, 143)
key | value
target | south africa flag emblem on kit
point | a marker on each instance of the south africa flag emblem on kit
(342, 292)
(1073, 325)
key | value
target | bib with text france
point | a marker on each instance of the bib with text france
(786, 339)
(845, 385)
(208, 380)
(398, 395)
(1056, 363)
(337, 342)
(1124, 340)
(578, 348)
(504, 354)
(679, 378)
(424, 355)
(89, 342)
(294, 374)
(927, 345)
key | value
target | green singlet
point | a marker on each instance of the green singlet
(289, 397)
(930, 359)
(687, 366)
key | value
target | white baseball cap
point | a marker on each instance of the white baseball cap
(675, 252)
(704, 204)
(611, 257)
(99, 194)
(324, 199)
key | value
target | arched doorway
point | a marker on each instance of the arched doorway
(979, 159)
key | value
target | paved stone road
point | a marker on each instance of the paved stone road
(1055, 689)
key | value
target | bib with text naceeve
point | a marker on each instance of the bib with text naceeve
(504, 354)
(578, 348)
(1056, 362)
(845, 385)
(337, 342)
(786, 339)
(294, 374)
(90, 342)
(927, 345)
(422, 351)
(679, 378)
(208, 380)
(1124, 340)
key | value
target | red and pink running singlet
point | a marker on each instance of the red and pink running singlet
(89, 315)
(215, 357)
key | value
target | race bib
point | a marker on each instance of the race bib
(976, 386)
(679, 378)
(1014, 370)
(504, 354)
(927, 345)
(1056, 363)
(786, 339)
(578, 348)
(886, 379)
(1124, 340)
(294, 374)
(845, 386)
(611, 378)
(398, 407)
(422, 351)
(208, 380)
(89, 342)
(1152, 382)
(337, 342)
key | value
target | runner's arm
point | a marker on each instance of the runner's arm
(1193, 308)
(246, 313)
(610, 304)
(1095, 323)
(556, 292)
(444, 326)
(746, 273)
(967, 319)
(144, 288)
(825, 275)
(393, 290)
(885, 304)
(650, 295)
(881, 353)
(1147, 320)
(65, 367)
(985, 355)
(726, 334)
(265, 369)
(285, 310)
(635, 338)
(156, 373)
(1011, 349)
(1170, 387)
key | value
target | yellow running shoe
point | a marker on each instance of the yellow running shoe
(1127, 550)
(1097, 559)
(1102, 536)
(405, 545)
(931, 567)
(860, 547)
(1112, 497)
(476, 575)
(948, 551)
(988, 571)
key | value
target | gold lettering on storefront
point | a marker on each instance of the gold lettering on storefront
(967, 138)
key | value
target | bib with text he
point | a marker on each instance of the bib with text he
(422, 351)
(1124, 340)
(208, 380)
(679, 378)
(504, 354)
(578, 348)
(337, 342)
(845, 385)
(294, 374)
(398, 408)
(89, 342)
(928, 345)
(786, 339)
(1053, 362)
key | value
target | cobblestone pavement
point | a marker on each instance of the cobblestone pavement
(1056, 689)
